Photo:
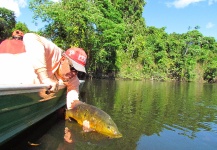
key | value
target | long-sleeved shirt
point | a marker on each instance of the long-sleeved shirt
(44, 53)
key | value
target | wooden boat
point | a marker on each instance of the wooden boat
(23, 105)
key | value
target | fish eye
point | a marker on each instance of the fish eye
(108, 127)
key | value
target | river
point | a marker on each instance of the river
(151, 116)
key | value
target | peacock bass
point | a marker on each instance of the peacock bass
(98, 120)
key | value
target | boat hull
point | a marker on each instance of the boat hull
(23, 106)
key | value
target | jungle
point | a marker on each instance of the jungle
(118, 42)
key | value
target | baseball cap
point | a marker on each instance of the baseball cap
(17, 33)
(77, 57)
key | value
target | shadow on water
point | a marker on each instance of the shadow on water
(31, 135)
(150, 115)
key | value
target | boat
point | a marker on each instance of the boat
(21, 106)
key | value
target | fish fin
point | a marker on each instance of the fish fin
(87, 129)
(66, 115)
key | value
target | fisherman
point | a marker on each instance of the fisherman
(13, 45)
(53, 66)
(37, 60)
(13, 55)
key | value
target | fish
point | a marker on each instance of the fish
(98, 120)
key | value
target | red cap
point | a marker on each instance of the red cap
(77, 58)
(17, 33)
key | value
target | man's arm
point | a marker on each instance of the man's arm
(36, 52)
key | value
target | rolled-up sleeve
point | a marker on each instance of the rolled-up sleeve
(72, 91)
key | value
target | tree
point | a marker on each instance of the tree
(109, 30)
(21, 26)
(7, 23)
(130, 54)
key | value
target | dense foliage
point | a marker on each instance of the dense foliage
(119, 44)
(7, 22)
(21, 26)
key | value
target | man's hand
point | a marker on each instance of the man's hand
(44, 79)
(53, 84)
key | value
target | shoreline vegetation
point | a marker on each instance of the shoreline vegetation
(111, 76)
(118, 42)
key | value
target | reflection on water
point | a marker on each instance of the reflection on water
(156, 115)
(150, 115)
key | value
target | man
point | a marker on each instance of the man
(14, 45)
(36, 60)
(14, 64)
(53, 66)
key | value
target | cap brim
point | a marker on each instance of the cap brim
(77, 66)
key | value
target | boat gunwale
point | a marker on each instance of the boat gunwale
(22, 88)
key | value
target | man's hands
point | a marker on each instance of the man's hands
(44, 79)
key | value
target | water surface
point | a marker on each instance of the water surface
(150, 115)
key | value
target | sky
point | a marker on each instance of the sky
(175, 15)
(178, 15)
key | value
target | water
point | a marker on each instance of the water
(150, 115)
